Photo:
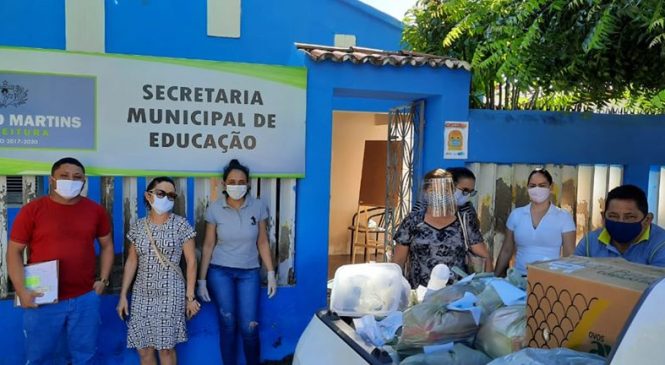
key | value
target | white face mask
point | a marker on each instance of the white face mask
(460, 198)
(161, 205)
(68, 189)
(236, 192)
(538, 194)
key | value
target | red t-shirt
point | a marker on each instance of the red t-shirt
(54, 231)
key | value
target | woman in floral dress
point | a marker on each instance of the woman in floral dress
(436, 233)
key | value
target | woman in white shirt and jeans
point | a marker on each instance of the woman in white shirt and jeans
(537, 231)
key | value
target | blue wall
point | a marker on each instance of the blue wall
(32, 23)
(344, 85)
(634, 141)
(268, 29)
(268, 32)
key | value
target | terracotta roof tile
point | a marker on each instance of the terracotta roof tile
(379, 57)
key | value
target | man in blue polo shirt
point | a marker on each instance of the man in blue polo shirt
(628, 232)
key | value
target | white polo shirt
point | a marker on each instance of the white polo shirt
(540, 243)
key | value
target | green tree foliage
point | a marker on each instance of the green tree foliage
(551, 54)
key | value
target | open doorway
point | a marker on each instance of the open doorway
(375, 157)
(351, 130)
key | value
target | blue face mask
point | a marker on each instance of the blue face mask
(623, 232)
(460, 198)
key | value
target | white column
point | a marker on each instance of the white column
(85, 26)
(224, 18)
(287, 229)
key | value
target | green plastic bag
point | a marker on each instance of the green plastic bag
(503, 332)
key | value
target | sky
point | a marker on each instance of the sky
(396, 8)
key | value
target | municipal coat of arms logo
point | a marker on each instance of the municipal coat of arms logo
(12, 95)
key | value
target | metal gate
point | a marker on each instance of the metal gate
(404, 163)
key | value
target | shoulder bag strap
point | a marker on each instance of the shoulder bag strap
(463, 223)
(160, 256)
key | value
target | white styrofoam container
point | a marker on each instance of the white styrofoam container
(375, 288)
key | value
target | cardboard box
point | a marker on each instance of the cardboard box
(583, 303)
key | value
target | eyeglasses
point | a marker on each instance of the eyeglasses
(161, 193)
(467, 192)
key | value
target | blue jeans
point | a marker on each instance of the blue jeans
(236, 292)
(77, 319)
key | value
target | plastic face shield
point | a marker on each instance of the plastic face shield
(440, 194)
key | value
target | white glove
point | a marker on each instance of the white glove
(272, 284)
(202, 290)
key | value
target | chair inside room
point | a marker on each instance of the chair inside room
(368, 233)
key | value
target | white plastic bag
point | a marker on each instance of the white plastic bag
(558, 356)
(439, 277)
(515, 278)
(378, 333)
(458, 355)
(503, 332)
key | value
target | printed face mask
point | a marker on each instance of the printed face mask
(236, 192)
(68, 189)
(460, 198)
(161, 205)
(623, 232)
(538, 194)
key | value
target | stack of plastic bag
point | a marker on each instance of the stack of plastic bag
(558, 356)
(488, 298)
(503, 332)
(457, 355)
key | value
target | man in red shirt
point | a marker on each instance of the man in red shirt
(62, 226)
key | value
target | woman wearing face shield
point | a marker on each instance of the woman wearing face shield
(537, 231)
(236, 236)
(161, 300)
(465, 188)
(437, 234)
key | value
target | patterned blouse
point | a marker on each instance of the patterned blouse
(429, 246)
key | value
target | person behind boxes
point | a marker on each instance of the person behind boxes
(62, 226)
(236, 236)
(537, 231)
(437, 234)
(628, 231)
(157, 320)
(465, 189)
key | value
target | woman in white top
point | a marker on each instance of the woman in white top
(537, 231)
